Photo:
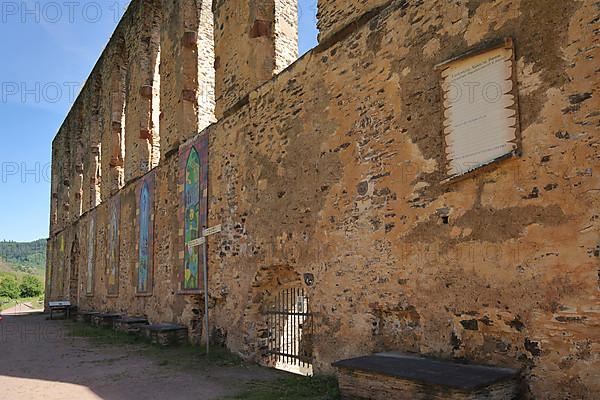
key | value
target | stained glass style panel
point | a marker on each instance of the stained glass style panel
(192, 214)
(193, 178)
(113, 248)
(145, 253)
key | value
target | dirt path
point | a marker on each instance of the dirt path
(20, 309)
(40, 361)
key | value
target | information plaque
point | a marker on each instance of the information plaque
(480, 109)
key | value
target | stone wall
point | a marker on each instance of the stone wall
(187, 81)
(285, 33)
(334, 170)
(334, 15)
(265, 34)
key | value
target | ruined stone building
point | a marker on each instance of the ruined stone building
(337, 181)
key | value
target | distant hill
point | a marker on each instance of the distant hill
(23, 258)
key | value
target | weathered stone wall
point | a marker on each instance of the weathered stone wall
(142, 91)
(334, 15)
(187, 82)
(253, 41)
(335, 169)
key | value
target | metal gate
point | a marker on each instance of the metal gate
(290, 332)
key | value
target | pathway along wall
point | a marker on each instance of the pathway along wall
(334, 169)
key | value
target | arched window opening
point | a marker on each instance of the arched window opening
(143, 95)
(117, 136)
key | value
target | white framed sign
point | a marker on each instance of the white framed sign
(481, 121)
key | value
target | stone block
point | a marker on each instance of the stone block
(105, 320)
(85, 316)
(130, 325)
(165, 334)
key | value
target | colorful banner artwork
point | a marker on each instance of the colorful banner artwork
(91, 254)
(145, 212)
(193, 177)
(51, 257)
(113, 246)
(61, 265)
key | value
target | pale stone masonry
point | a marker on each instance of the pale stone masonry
(286, 33)
(187, 77)
(266, 41)
(328, 174)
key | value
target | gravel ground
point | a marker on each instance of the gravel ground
(40, 361)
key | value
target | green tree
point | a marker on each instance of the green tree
(3, 301)
(9, 287)
(31, 286)
(24, 257)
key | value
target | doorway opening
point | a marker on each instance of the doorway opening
(290, 332)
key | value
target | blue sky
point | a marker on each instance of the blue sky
(48, 49)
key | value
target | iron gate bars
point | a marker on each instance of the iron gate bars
(290, 329)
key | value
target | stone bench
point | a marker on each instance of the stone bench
(130, 325)
(86, 316)
(165, 334)
(387, 376)
(105, 320)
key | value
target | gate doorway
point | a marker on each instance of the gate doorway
(290, 332)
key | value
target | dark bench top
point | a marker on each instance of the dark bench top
(429, 371)
(165, 327)
(89, 312)
(133, 320)
(108, 315)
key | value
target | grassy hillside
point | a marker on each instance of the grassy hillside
(23, 258)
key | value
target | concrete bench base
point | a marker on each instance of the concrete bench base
(387, 376)
(105, 320)
(130, 325)
(165, 334)
(85, 316)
